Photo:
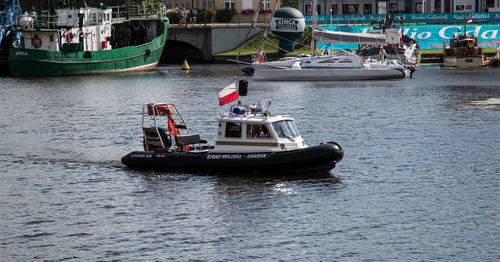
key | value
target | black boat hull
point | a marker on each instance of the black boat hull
(321, 158)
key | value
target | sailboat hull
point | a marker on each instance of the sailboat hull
(327, 74)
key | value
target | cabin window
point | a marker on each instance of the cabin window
(257, 131)
(286, 128)
(345, 61)
(329, 61)
(233, 129)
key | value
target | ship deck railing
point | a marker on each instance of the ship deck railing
(153, 10)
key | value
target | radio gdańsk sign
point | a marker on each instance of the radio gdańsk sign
(430, 36)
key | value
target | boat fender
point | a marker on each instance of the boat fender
(70, 36)
(36, 41)
(148, 52)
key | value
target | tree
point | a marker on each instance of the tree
(290, 3)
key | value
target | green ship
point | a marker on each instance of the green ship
(81, 41)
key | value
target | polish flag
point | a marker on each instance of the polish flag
(228, 94)
(469, 22)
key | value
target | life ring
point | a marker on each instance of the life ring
(70, 36)
(258, 57)
(36, 41)
(160, 109)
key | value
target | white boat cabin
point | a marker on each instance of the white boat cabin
(63, 34)
(246, 130)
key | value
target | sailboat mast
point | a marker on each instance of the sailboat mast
(267, 28)
(313, 26)
(254, 20)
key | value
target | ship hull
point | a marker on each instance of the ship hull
(34, 62)
(462, 62)
(320, 158)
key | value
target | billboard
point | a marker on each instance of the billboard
(428, 36)
(427, 18)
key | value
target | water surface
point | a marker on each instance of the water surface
(419, 179)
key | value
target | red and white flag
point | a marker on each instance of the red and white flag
(228, 94)
(469, 22)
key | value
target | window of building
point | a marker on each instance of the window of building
(393, 7)
(381, 7)
(367, 9)
(246, 4)
(463, 7)
(230, 4)
(318, 9)
(308, 10)
(351, 9)
(490, 3)
(266, 5)
(334, 10)
(233, 129)
(258, 131)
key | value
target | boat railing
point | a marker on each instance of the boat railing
(463, 51)
(45, 20)
(139, 11)
(54, 21)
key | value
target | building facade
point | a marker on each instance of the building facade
(368, 7)
(245, 6)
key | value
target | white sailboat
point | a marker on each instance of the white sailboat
(342, 66)
(398, 46)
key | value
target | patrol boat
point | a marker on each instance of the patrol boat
(249, 140)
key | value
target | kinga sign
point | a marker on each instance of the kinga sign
(295, 25)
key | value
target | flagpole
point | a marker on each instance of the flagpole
(237, 90)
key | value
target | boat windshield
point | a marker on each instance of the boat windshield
(286, 128)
